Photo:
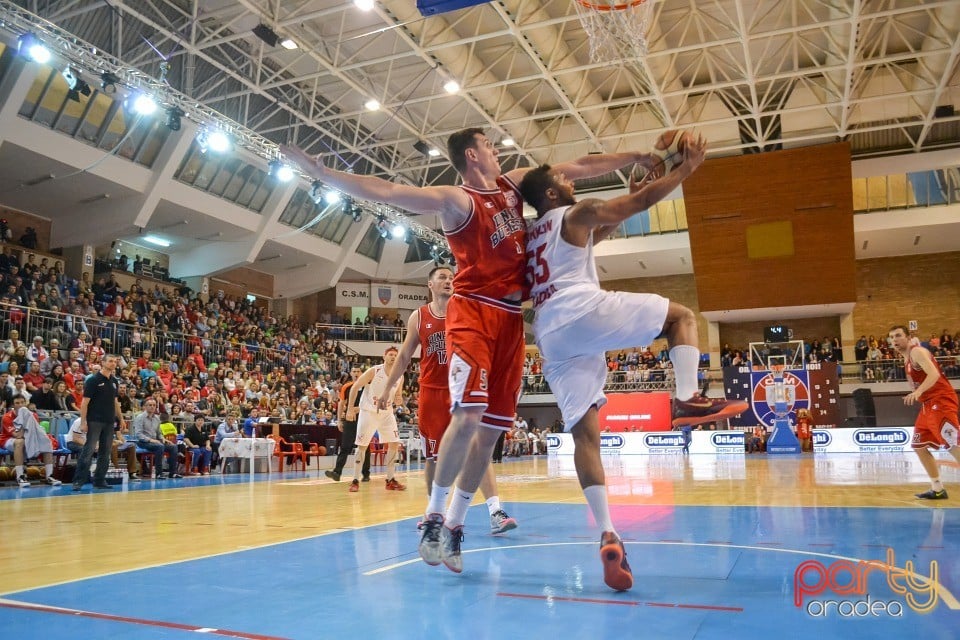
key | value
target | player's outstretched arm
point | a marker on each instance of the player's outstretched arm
(441, 199)
(607, 213)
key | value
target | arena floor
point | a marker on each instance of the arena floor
(717, 545)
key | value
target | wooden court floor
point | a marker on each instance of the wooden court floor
(715, 542)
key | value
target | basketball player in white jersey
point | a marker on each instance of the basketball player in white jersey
(576, 322)
(375, 420)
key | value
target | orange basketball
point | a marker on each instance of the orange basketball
(6, 473)
(33, 473)
(322, 450)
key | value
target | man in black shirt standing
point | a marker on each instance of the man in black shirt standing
(98, 412)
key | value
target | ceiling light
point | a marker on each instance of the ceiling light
(332, 196)
(160, 242)
(433, 153)
(372, 105)
(363, 5)
(288, 44)
(141, 104)
(508, 142)
(451, 86)
(218, 141)
(280, 171)
(266, 34)
(29, 45)
(398, 231)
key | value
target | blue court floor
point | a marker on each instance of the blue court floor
(701, 572)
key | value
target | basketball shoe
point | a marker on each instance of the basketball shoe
(393, 485)
(429, 547)
(699, 409)
(933, 495)
(616, 570)
(450, 540)
(500, 522)
(354, 486)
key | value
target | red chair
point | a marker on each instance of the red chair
(378, 453)
(282, 449)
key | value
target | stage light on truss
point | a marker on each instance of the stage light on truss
(364, 5)
(398, 231)
(174, 114)
(213, 139)
(382, 226)
(108, 82)
(332, 196)
(141, 104)
(280, 171)
(316, 191)
(451, 86)
(371, 105)
(29, 45)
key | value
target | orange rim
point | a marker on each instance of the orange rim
(607, 7)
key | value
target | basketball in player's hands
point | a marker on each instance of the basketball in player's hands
(669, 147)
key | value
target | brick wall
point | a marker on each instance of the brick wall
(925, 288)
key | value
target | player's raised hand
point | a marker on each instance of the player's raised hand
(308, 163)
(694, 151)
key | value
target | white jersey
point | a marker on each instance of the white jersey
(565, 284)
(378, 389)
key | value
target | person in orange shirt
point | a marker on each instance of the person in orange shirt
(805, 429)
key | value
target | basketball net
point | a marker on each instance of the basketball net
(616, 29)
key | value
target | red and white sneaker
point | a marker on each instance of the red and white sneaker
(700, 409)
(354, 486)
(616, 570)
(393, 485)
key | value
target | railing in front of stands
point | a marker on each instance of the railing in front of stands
(864, 371)
(364, 332)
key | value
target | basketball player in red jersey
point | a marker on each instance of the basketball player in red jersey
(936, 426)
(426, 329)
(483, 222)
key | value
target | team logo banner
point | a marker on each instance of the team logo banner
(814, 388)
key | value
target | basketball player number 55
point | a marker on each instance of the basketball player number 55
(537, 271)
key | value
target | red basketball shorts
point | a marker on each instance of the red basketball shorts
(936, 426)
(485, 346)
(433, 413)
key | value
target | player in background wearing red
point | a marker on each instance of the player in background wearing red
(426, 329)
(937, 423)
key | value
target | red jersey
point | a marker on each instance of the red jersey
(489, 245)
(941, 389)
(433, 349)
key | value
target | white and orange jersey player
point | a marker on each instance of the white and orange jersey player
(937, 423)
(426, 329)
(372, 419)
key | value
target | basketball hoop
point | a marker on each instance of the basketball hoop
(776, 370)
(616, 30)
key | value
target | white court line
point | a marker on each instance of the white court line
(947, 597)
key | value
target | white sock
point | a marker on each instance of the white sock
(18, 470)
(438, 499)
(596, 496)
(457, 511)
(49, 468)
(391, 464)
(357, 461)
(685, 359)
(493, 504)
(935, 484)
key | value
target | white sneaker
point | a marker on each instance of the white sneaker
(23, 482)
(53, 482)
